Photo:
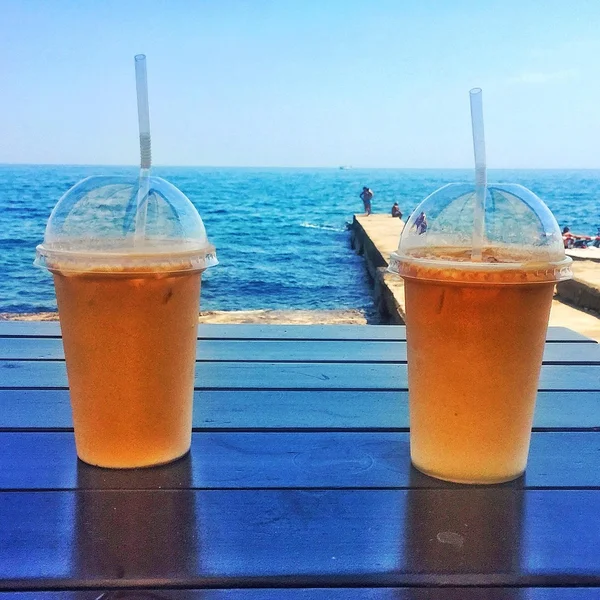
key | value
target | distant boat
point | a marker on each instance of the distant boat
(345, 167)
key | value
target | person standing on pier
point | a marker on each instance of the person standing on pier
(366, 195)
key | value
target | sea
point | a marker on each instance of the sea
(280, 233)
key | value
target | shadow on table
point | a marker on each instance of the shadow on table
(467, 532)
(144, 529)
(137, 527)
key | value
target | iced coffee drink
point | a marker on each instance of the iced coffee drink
(129, 313)
(476, 330)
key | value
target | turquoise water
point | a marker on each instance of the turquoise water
(280, 233)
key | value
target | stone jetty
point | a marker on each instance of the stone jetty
(576, 304)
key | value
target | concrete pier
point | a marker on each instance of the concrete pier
(576, 304)
(375, 237)
(583, 290)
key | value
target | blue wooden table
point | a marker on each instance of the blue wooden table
(299, 484)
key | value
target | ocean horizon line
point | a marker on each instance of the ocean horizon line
(298, 168)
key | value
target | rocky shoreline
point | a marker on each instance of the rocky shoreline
(282, 317)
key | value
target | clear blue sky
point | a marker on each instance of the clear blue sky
(301, 83)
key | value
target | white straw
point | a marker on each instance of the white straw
(141, 81)
(480, 174)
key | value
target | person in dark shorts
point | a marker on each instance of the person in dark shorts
(396, 212)
(366, 195)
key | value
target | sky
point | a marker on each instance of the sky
(307, 83)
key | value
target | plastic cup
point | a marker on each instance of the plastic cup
(128, 308)
(476, 328)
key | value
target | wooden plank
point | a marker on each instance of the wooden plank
(62, 595)
(243, 331)
(275, 332)
(262, 350)
(286, 351)
(225, 460)
(30, 329)
(273, 409)
(319, 376)
(277, 538)
(453, 593)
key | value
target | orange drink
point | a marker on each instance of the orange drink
(127, 253)
(128, 300)
(474, 353)
(479, 265)
(130, 346)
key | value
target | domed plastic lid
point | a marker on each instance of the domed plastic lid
(520, 242)
(97, 226)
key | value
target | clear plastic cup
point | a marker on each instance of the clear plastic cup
(477, 312)
(128, 305)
